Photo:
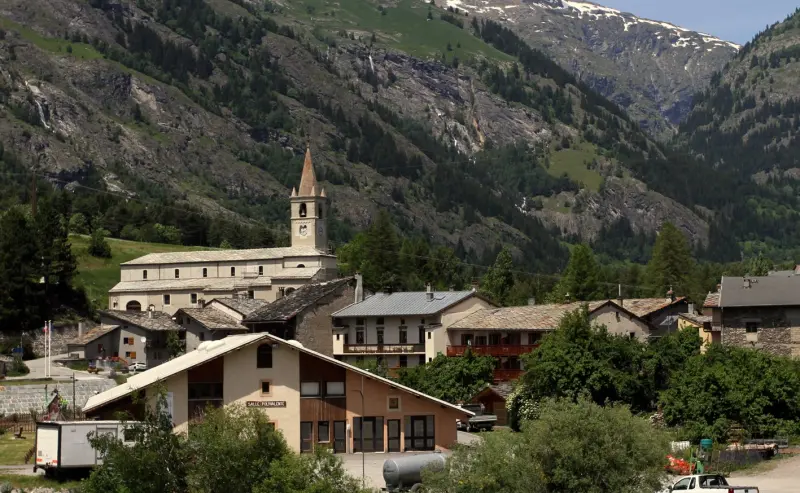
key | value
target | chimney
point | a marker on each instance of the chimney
(746, 283)
(620, 300)
(149, 313)
(452, 288)
(359, 288)
(531, 301)
(670, 295)
(429, 292)
(719, 287)
(80, 330)
(691, 308)
(475, 285)
(387, 290)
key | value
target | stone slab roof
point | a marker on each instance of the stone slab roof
(93, 334)
(289, 306)
(199, 284)
(404, 304)
(642, 307)
(712, 300)
(156, 321)
(698, 319)
(213, 319)
(242, 306)
(759, 291)
(201, 256)
(531, 317)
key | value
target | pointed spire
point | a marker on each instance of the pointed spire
(308, 180)
(323, 194)
(294, 192)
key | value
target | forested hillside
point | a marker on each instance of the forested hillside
(746, 125)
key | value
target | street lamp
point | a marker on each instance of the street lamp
(361, 391)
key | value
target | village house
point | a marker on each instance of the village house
(400, 329)
(170, 281)
(494, 397)
(304, 315)
(702, 324)
(314, 400)
(127, 337)
(758, 312)
(510, 332)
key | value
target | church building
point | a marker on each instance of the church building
(170, 281)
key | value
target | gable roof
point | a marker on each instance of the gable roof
(759, 291)
(502, 390)
(289, 306)
(92, 334)
(242, 306)
(201, 283)
(405, 303)
(695, 318)
(200, 256)
(711, 301)
(642, 307)
(530, 317)
(210, 350)
(156, 321)
(212, 319)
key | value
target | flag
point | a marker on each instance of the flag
(45, 328)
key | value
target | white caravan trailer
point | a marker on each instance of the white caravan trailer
(64, 445)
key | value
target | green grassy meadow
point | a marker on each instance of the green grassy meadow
(574, 162)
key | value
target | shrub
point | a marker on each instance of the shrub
(98, 246)
(18, 368)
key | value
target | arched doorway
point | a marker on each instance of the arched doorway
(133, 306)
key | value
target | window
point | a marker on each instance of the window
(429, 335)
(260, 270)
(264, 356)
(683, 484)
(233, 271)
(338, 336)
(534, 338)
(403, 336)
(751, 327)
(359, 321)
(130, 354)
(494, 339)
(203, 395)
(301, 266)
(333, 389)
(144, 275)
(193, 298)
(394, 403)
(265, 387)
(205, 272)
(360, 336)
(177, 273)
(133, 306)
(379, 321)
(403, 361)
(346, 339)
(323, 432)
(251, 294)
(421, 334)
(306, 436)
(303, 209)
(480, 340)
(202, 336)
(167, 299)
(309, 389)
(380, 335)
(319, 211)
(421, 359)
(402, 321)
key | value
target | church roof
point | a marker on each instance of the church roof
(200, 256)
(308, 180)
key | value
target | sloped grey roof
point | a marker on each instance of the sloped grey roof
(408, 303)
(286, 308)
(201, 283)
(158, 320)
(213, 319)
(242, 306)
(762, 291)
(225, 255)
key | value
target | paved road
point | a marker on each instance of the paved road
(38, 369)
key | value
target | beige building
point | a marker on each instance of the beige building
(314, 400)
(170, 281)
(400, 329)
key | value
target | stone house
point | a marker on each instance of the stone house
(758, 312)
(219, 318)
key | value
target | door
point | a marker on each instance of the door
(111, 432)
(370, 439)
(420, 433)
(393, 430)
(306, 436)
(339, 437)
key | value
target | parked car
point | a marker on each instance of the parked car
(479, 422)
(704, 482)
(137, 366)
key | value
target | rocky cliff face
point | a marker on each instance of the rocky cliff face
(648, 67)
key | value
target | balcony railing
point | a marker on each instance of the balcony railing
(384, 348)
(501, 375)
(497, 350)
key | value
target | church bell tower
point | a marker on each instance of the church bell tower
(310, 208)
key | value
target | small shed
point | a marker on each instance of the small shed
(493, 397)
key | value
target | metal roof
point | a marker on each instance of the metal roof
(404, 303)
(759, 291)
(226, 255)
(210, 350)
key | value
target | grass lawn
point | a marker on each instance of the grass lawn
(20, 481)
(574, 162)
(405, 26)
(79, 50)
(12, 452)
(98, 275)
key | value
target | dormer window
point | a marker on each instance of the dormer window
(303, 212)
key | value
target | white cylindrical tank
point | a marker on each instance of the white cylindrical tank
(405, 472)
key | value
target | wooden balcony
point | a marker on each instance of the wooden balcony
(384, 348)
(501, 375)
(498, 350)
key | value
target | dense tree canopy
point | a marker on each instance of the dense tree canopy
(450, 379)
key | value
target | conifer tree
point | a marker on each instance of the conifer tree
(671, 265)
(580, 278)
(499, 279)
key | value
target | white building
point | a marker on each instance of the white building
(400, 329)
(170, 281)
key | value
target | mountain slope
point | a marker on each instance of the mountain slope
(650, 68)
(746, 124)
(210, 104)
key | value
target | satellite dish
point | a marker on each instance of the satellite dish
(143, 339)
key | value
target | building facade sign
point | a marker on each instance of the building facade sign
(266, 404)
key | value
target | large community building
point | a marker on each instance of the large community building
(313, 399)
(170, 281)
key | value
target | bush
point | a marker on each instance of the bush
(98, 246)
(18, 368)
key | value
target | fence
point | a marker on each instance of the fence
(27, 423)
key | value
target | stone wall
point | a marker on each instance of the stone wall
(20, 399)
(61, 336)
(314, 327)
(778, 329)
